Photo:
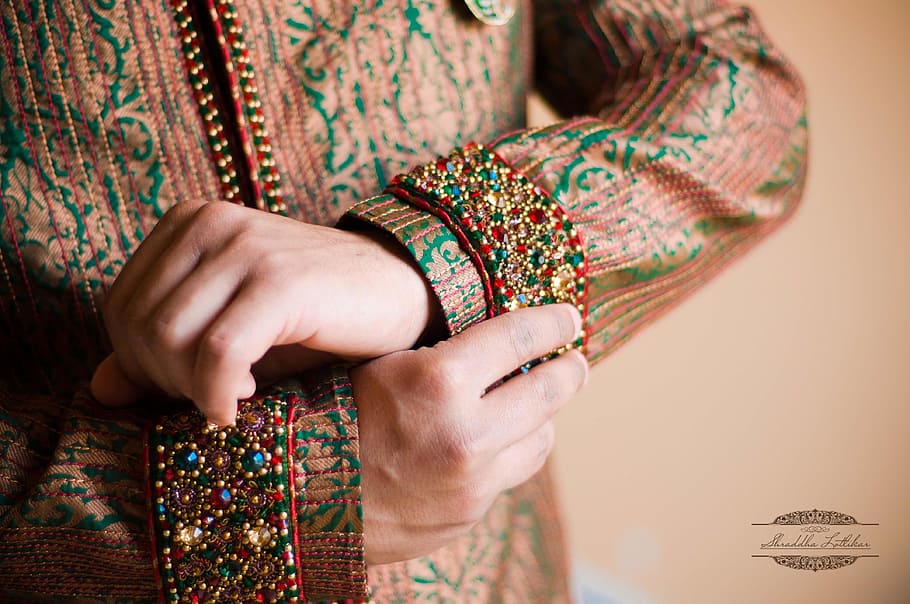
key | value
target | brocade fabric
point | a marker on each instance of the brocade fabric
(682, 144)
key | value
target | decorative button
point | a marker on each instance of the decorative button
(492, 12)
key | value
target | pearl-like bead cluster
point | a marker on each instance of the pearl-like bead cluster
(257, 148)
(221, 507)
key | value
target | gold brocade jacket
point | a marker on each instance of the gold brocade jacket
(682, 143)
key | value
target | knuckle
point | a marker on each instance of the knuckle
(522, 335)
(164, 331)
(221, 344)
(179, 212)
(248, 239)
(441, 379)
(547, 387)
(212, 212)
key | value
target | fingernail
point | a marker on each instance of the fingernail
(584, 364)
(576, 320)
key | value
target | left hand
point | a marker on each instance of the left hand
(217, 288)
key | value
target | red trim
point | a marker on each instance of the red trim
(292, 491)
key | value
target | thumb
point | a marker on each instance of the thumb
(111, 386)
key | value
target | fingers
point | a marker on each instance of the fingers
(523, 459)
(523, 404)
(490, 350)
(235, 341)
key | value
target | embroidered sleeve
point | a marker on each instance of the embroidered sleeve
(267, 510)
(690, 146)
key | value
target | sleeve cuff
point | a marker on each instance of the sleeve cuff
(266, 510)
(474, 209)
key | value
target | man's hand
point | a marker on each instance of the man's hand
(217, 288)
(437, 447)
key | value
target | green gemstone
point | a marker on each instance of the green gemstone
(186, 459)
(252, 461)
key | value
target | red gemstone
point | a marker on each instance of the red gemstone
(521, 248)
(509, 293)
(221, 498)
(498, 232)
(498, 282)
(467, 221)
(538, 216)
(278, 496)
(485, 248)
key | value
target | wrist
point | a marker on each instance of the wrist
(408, 294)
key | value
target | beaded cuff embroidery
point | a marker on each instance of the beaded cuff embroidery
(221, 507)
(522, 241)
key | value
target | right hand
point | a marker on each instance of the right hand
(438, 445)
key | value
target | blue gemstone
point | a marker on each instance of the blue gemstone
(493, 175)
(187, 460)
(522, 298)
(253, 461)
(456, 190)
(450, 167)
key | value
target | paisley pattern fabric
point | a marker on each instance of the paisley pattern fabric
(683, 144)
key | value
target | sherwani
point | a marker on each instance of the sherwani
(682, 143)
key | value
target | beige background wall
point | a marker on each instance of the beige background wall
(785, 384)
